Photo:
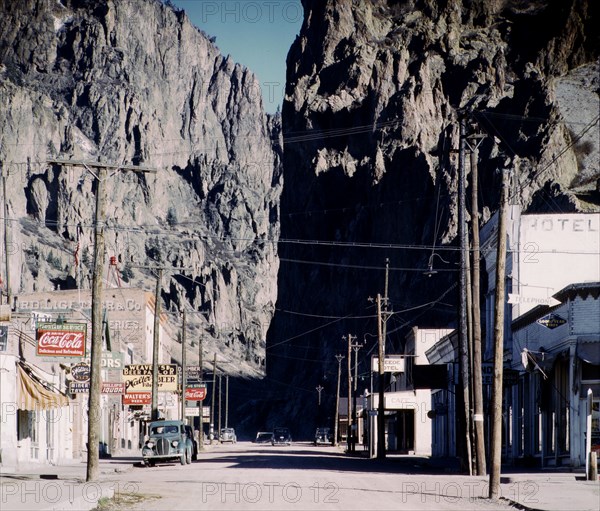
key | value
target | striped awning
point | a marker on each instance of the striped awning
(35, 396)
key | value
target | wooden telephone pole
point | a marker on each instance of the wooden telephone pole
(339, 359)
(94, 411)
(349, 338)
(212, 401)
(201, 416)
(479, 429)
(496, 436)
(462, 330)
(155, 346)
(183, 369)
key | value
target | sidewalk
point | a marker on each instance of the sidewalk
(550, 491)
(60, 487)
(45, 488)
(526, 489)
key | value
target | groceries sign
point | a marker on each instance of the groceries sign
(61, 339)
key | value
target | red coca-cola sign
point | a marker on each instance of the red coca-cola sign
(61, 339)
(195, 394)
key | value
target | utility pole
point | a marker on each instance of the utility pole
(212, 401)
(94, 400)
(220, 392)
(155, 346)
(94, 411)
(201, 415)
(381, 404)
(226, 399)
(462, 331)
(355, 347)
(496, 437)
(349, 338)
(6, 237)
(339, 359)
(183, 370)
(319, 389)
(477, 376)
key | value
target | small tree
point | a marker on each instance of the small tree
(171, 217)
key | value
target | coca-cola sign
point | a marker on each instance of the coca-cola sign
(61, 339)
(195, 394)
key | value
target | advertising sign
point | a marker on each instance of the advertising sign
(137, 398)
(195, 394)
(81, 372)
(193, 375)
(112, 362)
(106, 387)
(551, 321)
(61, 339)
(138, 377)
(392, 364)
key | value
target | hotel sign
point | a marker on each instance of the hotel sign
(61, 339)
(392, 364)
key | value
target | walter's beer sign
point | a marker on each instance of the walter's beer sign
(61, 339)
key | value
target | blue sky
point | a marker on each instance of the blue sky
(257, 34)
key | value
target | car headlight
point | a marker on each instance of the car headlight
(174, 443)
(150, 444)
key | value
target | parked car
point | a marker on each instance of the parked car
(281, 436)
(228, 435)
(264, 437)
(189, 431)
(167, 441)
(323, 436)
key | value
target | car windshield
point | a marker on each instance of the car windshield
(160, 430)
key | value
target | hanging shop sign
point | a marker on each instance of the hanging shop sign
(61, 339)
(195, 394)
(137, 398)
(391, 364)
(551, 321)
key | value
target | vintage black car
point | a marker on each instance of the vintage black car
(264, 437)
(167, 441)
(228, 435)
(281, 436)
(323, 436)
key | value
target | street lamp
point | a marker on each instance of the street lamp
(430, 271)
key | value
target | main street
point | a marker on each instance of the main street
(250, 476)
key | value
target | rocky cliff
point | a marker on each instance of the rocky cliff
(375, 91)
(134, 82)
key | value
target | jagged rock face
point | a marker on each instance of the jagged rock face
(370, 123)
(135, 82)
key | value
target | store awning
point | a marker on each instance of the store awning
(33, 395)
(588, 350)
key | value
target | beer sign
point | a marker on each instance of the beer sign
(138, 377)
(61, 339)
